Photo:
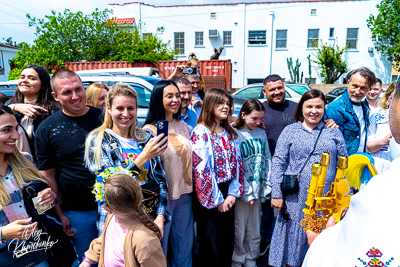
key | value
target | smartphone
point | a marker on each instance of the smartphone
(189, 70)
(162, 127)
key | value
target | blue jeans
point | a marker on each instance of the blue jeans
(84, 222)
(179, 231)
(267, 220)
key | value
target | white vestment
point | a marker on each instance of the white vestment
(369, 234)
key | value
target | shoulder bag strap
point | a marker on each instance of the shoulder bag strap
(113, 143)
(309, 156)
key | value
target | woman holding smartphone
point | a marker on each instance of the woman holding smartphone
(136, 149)
(165, 106)
(218, 179)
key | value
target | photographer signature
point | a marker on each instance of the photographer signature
(32, 243)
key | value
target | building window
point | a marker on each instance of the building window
(332, 33)
(213, 15)
(257, 37)
(313, 11)
(352, 37)
(199, 38)
(313, 36)
(1, 63)
(180, 42)
(227, 38)
(281, 38)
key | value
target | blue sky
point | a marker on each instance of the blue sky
(13, 22)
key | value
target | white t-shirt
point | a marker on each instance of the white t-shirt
(360, 116)
(373, 110)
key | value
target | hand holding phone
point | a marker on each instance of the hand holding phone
(162, 127)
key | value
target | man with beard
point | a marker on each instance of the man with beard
(350, 112)
(188, 115)
(362, 238)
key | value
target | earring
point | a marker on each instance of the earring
(387, 104)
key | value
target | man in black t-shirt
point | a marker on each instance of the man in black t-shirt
(60, 146)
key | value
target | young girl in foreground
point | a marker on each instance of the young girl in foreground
(130, 237)
(257, 188)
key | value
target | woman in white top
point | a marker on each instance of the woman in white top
(379, 133)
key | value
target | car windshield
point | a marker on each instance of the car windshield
(251, 92)
(300, 89)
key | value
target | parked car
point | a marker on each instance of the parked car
(142, 84)
(293, 92)
(334, 93)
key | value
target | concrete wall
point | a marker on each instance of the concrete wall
(258, 61)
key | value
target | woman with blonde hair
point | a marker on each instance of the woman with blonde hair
(16, 172)
(119, 144)
(96, 95)
(218, 178)
(379, 133)
(130, 237)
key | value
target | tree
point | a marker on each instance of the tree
(330, 62)
(385, 29)
(68, 36)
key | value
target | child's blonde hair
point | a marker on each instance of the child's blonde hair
(124, 197)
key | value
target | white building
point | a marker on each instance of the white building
(7, 52)
(258, 37)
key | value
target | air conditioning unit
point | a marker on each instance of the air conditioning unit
(213, 33)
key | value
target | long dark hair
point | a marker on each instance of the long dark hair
(156, 106)
(45, 99)
(298, 116)
(212, 99)
(248, 106)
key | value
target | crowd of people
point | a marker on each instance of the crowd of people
(208, 193)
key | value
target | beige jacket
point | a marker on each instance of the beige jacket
(141, 247)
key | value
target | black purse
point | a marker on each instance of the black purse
(150, 190)
(290, 183)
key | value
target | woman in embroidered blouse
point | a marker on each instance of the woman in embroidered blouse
(294, 145)
(177, 163)
(135, 146)
(33, 102)
(16, 172)
(218, 179)
(379, 133)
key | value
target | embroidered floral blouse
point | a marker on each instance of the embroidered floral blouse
(215, 160)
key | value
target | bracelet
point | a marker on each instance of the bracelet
(86, 260)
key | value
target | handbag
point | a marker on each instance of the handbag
(290, 182)
(150, 190)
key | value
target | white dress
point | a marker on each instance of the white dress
(378, 129)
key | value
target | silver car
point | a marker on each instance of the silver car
(293, 91)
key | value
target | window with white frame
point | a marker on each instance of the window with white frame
(312, 39)
(281, 38)
(179, 42)
(257, 37)
(228, 38)
(199, 38)
(331, 32)
(352, 38)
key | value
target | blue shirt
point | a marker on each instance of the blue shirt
(190, 118)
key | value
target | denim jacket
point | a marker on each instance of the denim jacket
(342, 112)
(155, 172)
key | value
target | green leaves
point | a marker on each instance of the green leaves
(385, 29)
(68, 36)
(329, 61)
